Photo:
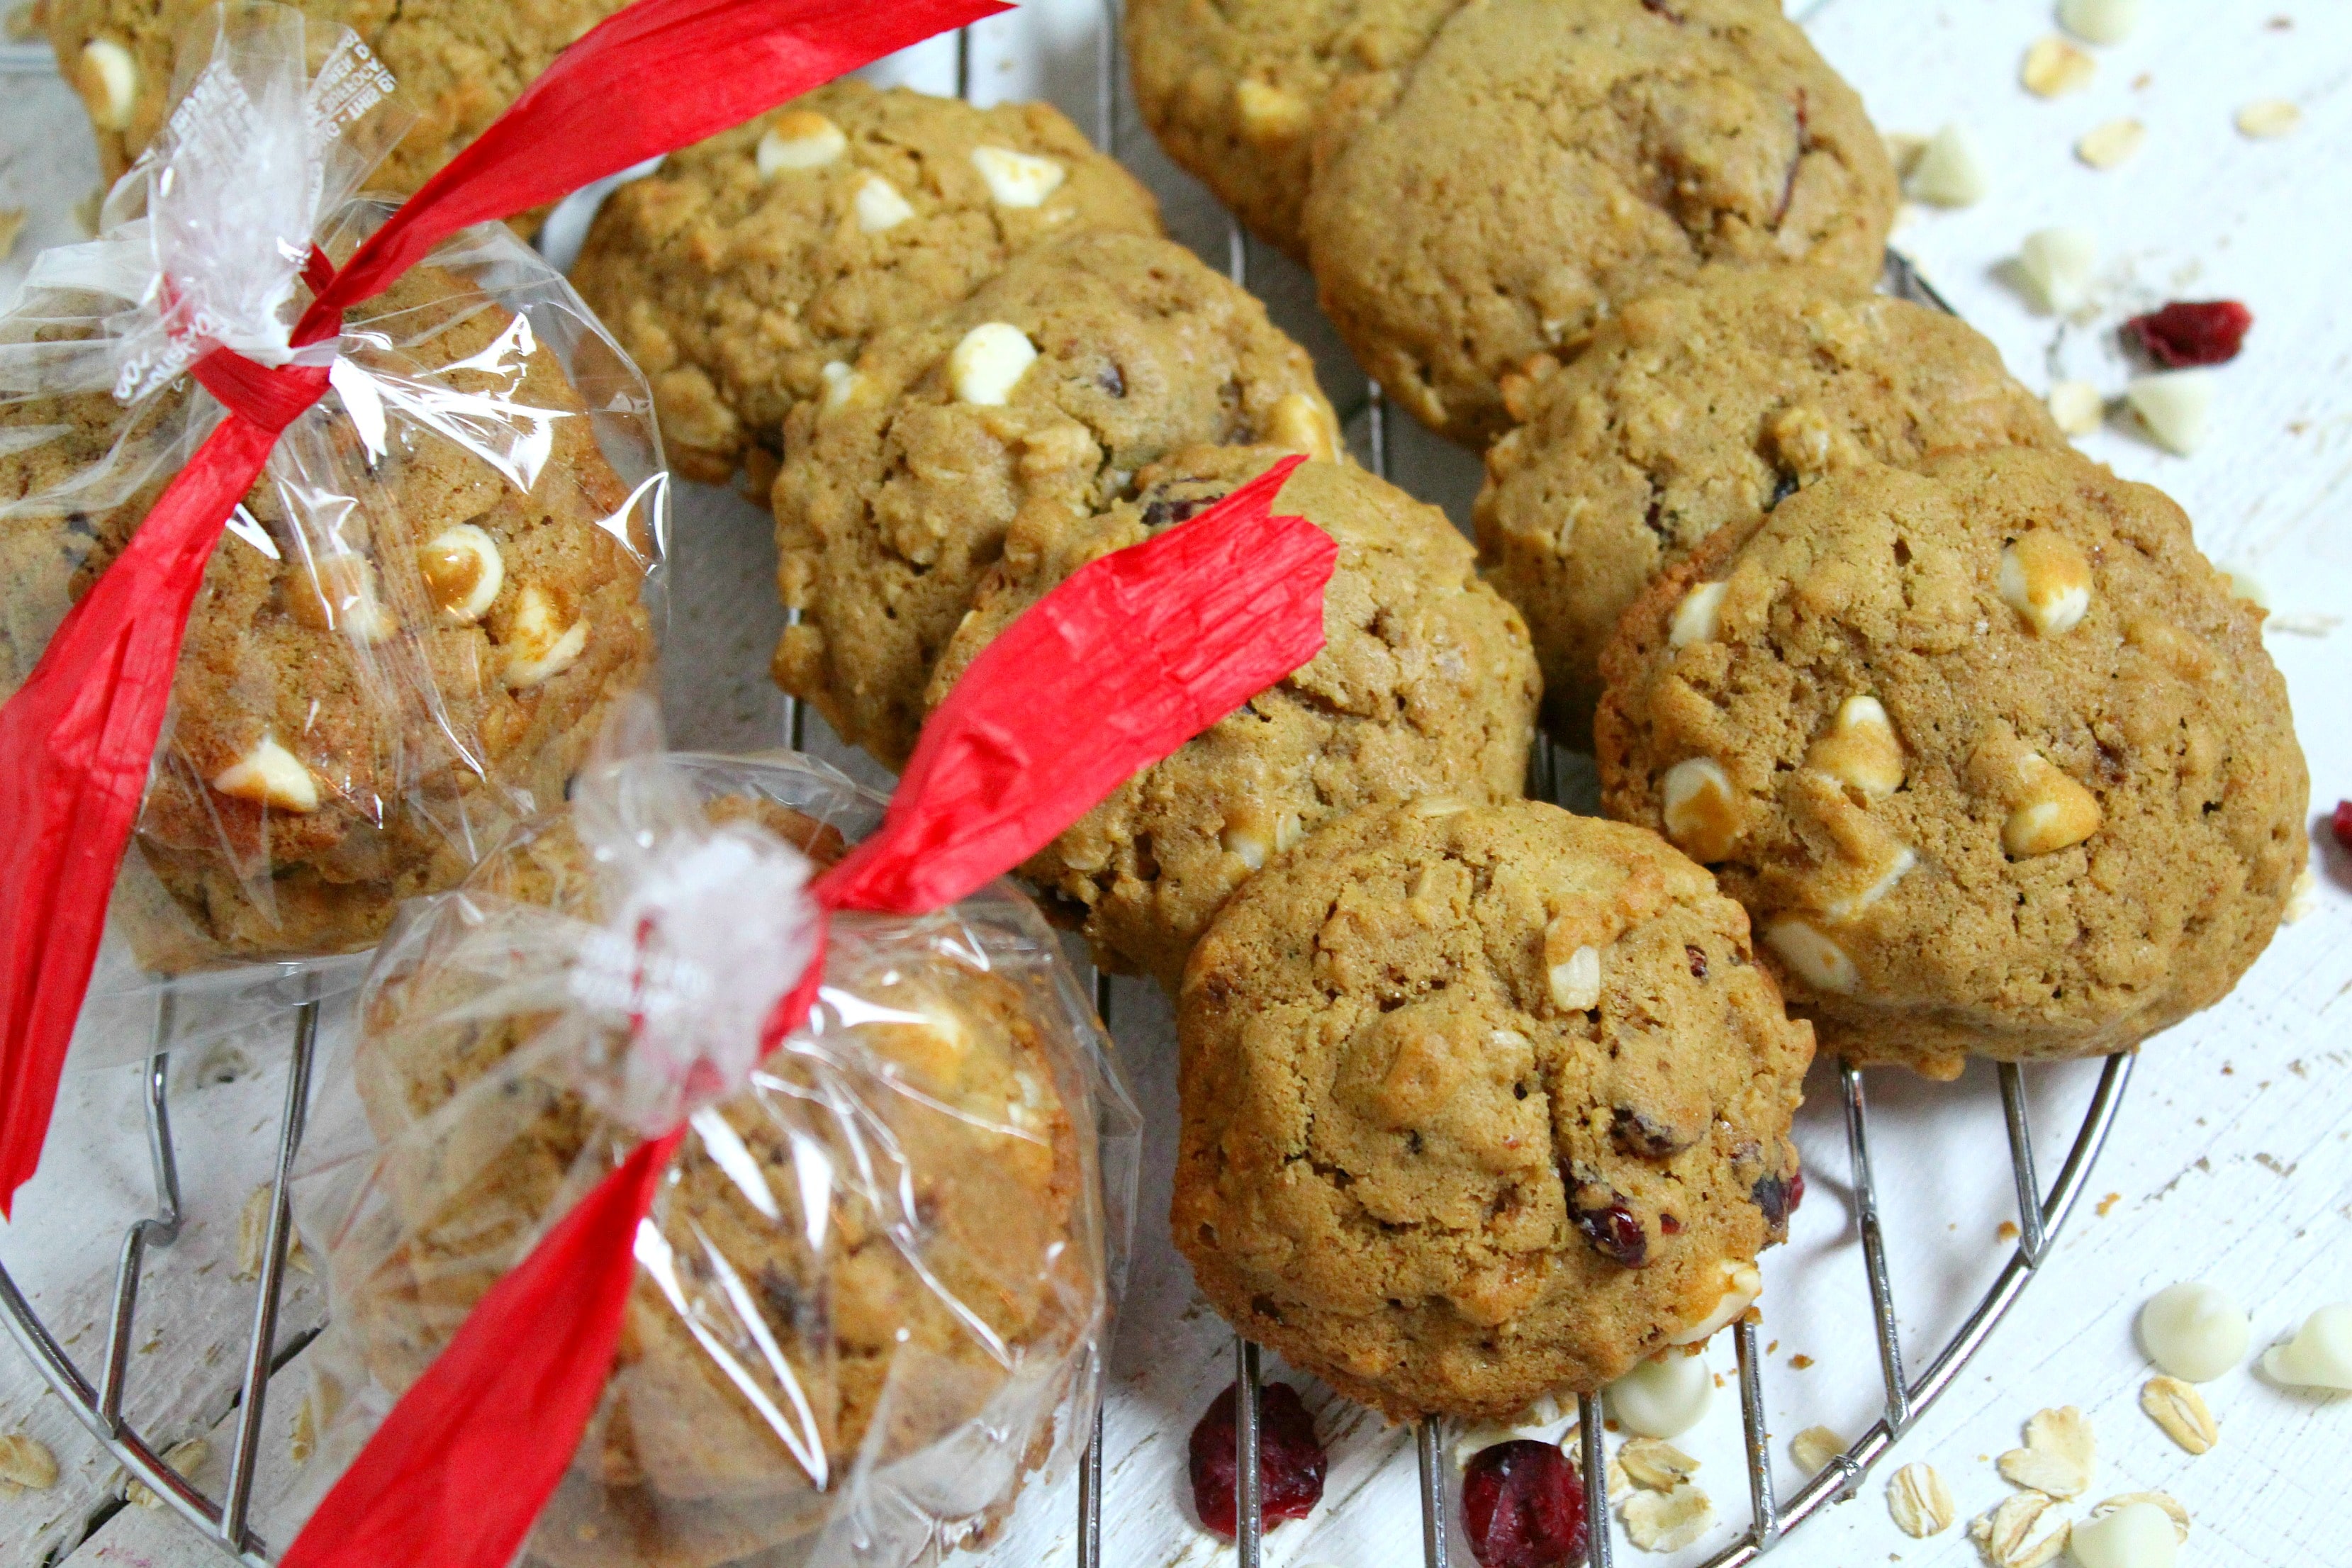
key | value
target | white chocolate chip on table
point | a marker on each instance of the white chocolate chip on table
(2077, 407)
(2058, 262)
(2320, 1353)
(2194, 1330)
(2177, 406)
(1950, 171)
(2136, 1535)
(2099, 21)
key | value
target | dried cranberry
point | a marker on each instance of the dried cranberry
(1778, 1196)
(1796, 1189)
(2192, 332)
(2343, 825)
(1644, 1137)
(1523, 1506)
(1290, 1459)
(1607, 1224)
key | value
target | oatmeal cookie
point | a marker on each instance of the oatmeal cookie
(1989, 752)
(1040, 397)
(1481, 1102)
(1547, 162)
(1700, 408)
(749, 263)
(1426, 685)
(360, 710)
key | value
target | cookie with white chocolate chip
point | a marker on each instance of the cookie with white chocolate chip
(1481, 1103)
(751, 266)
(1993, 756)
(1426, 685)
(370, 686)
(1040, 396)
(1702, 407)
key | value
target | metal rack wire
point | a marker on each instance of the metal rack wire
(2041, 1215)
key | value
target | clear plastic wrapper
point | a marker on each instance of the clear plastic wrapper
(871, 1299)
(414, 625)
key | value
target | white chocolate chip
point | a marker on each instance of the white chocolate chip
(1656, 1465)
(840, 383)
(2099, 21)
(2137, 1535)
(1816, 960)
(1576, 981)
(2058, 1456)
(1861, 749)
(1742, 1286)
(989, 362)
(1698, 616)
(26, 1464)
(2268, 117)
(2320, 1354)
(1842, 910)
(1667, 1521)
(2054, 66)
(2176, 406)
(800, 139)
(1815, 1449)
(879, 206)
(1950, 171)
(2051, 812)
(2181, 1411)
(2168, 1504)
(1245, 834)
(2108, 145)
(2194, 1330)
(463, 571)
(1701, 810)
(538, 649)
(2045, 578)
(109, 80)
(1919, 1502)
(2012, 1536)
(271, 776)
(1300, 422)
(1662, 1397)
(1017, 179)
(2076, 407)
(2058, 262)
(338, 593)
(1438, 806)
(1270, 113)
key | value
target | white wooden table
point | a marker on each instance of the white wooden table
(2232, 1158)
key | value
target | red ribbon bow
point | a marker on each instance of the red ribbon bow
(1124, 662)
(76, 740)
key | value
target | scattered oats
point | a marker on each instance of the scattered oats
(2012, 1536)
(2180, 1410)
(1950, 171)
(2177, 406)
(2309, 624)
(1816, 1448)
(2058, 1456)
(2077, 407)
(2054, 66)
(253, 1235)
(25, 1465)
(2303, 898)
(182, 1460)
(2105, 146)
(302, 1439)
(2268, 117)
(1618, 1482)
(2169, 1504)
(1920, 1502)
(2099, 21)
(1667, 1521)
(1657, 1465)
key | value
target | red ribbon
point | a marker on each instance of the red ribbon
(76, 740)
(1131, 657)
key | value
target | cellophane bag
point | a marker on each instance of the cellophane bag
(871, 1302)
(412, 630)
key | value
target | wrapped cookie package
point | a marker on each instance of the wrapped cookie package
(872, 1293)
(417, 620)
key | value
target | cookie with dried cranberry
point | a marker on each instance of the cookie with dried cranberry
(749, 264)
(1546, 162)
(1699, 408)
(1993, 758)
(1481, 1102)
(1426, 685)
(1040, 397)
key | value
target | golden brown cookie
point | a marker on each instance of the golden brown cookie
(1547, 162)
(1426, 685)
(971, 1246)
(749, 263)
(1994, 759)
(357, 715)
(458, 64)
(1699, 408)
(1481, 1102)
(1039, 397)
(1245, 93)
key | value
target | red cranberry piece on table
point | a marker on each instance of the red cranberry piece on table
(1290, 1459)
(2343, 824)
(1523, 1505)
(2192, 332)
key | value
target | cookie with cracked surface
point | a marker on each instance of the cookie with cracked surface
(1244, 93)
(1426, 685)
(749, 263)
(1991, 755)
(1481, 1102)
(1038, 398)
(458, 64)
(1702, 407)
(1547, 162)
(355, 711)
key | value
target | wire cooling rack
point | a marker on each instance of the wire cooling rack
(2040, 1213)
